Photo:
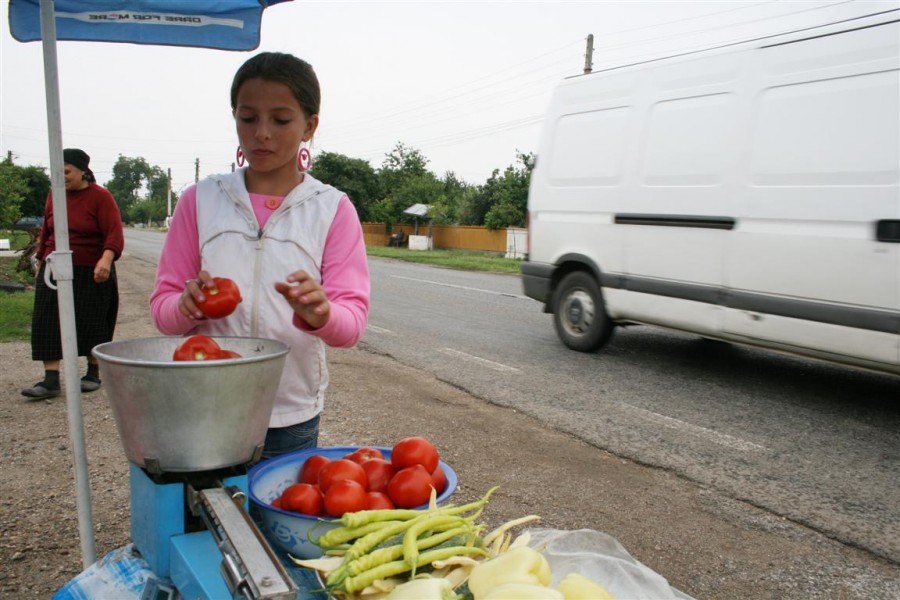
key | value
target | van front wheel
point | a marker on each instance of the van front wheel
(578, 313)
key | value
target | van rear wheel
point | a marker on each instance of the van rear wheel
(579, 314)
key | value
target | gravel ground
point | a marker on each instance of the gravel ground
(706, 544)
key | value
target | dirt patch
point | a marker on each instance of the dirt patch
(704, 543)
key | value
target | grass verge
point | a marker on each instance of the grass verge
(15, 307)
(15, 316)
(454, 259)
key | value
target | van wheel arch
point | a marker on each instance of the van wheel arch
(579, 312)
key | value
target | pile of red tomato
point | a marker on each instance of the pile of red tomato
(202, 347)
(365, 480)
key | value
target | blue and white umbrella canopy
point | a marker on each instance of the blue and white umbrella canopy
(220, 24)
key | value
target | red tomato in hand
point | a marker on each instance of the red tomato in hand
(378, 474)
(221, 298)
(198, 347)
(361, 455)
(302, 498)
(410, 487)
(439, 480)
(378, 501)
(344, 496)
(415, 451)
(339, 470)
(309, 472)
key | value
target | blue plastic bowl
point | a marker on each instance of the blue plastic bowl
(290, 531)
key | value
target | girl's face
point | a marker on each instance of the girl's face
(271, 125)
(74, 177)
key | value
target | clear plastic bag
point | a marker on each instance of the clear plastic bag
(121, 574)
(603, 559)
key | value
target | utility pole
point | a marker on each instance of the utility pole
(196, 170)
(168, 193)
(589, 54)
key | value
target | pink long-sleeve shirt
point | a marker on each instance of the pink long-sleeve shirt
(345, 272)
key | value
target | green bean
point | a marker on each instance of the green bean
(411, 549)
(367, 542)
(362, 517)
(359, 582)
(340, 535)
(439, 519)
(391, 553)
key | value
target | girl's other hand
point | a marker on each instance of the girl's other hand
(192, 294)
(306, 297)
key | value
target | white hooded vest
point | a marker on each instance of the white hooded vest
(233, 245)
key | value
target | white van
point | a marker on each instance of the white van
(747, 193)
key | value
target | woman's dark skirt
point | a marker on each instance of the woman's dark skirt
(96, 310)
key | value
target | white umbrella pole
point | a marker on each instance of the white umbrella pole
(61, 263)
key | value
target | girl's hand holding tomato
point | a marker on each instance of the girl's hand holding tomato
(221, 297)
(209, 297)
(188, 303)
(306, 297)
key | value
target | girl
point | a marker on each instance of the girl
(293, 245)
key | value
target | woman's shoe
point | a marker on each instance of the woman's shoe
(39, 391)
(89, 384)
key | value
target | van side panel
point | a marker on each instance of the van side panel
(750, 192)
(822, 168)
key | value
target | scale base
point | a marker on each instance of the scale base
(158, 514)
(194, 564)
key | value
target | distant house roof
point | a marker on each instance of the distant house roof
(418, 210)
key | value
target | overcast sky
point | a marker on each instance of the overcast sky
(465, 83)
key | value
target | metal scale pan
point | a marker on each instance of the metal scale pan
(184, 416)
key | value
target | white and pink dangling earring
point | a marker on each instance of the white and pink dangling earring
(239, 157)
(304, 159)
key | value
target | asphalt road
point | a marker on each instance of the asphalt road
(811, 442)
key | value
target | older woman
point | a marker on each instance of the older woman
(96, 242)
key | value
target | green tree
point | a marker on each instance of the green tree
(157, 188)
(38, 183)
(139, 189)
(353, 176)
(129, 177)
(445, 208)
(401, 164)
(405, 180)
(13, 191)
(507, 194)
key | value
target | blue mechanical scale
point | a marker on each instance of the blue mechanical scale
(190, 429)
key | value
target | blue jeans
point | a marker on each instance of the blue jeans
(281, 440)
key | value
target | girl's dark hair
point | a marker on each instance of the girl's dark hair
(296, 74)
